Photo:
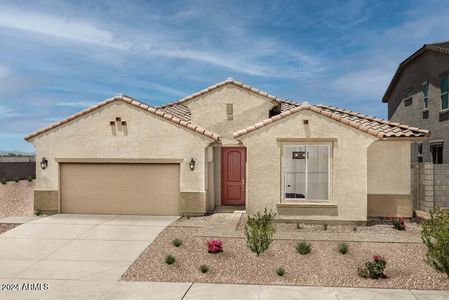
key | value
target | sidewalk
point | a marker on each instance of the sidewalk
(93, 290)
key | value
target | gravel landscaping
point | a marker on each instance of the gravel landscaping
(324, 266)
(4, 227)
(378, 227)
(16, 198)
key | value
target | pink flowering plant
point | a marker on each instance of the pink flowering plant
(374, 268)
(398, 223)
(215, 246)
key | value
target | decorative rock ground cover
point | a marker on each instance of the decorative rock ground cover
(324, 266)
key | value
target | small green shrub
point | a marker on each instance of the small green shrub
(4, 180)
(343, 248)
(373, 268)
(325, 226)
(280, 271)
(259, 231)
(354, 228)
(204, 269)
(398, 223)
(176, 242)
(38, 212)
(303, 247)
(16, 179)
(170, 259)
(435, 235)
(298, 226)
(30, 178)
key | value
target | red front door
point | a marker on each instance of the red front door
(233, 170)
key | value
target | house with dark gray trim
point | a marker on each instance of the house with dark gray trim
(418, 95)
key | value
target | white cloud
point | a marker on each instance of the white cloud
(6, 112)
(75, 104)
(4, 71)
(241, 52)
(367, 83)
(58, 27)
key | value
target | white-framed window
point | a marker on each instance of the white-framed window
(444, 92)
(425, 92)
(306, 171)
(408, 93)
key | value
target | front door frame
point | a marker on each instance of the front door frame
(224, 201)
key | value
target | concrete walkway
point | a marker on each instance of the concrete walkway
(96, 290)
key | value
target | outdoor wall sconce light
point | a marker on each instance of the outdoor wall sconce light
(305, 122)
(44, 163)
(192, 164)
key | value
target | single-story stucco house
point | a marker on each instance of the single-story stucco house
(227, 145)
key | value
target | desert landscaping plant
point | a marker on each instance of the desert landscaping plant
(325, 226)
(16, 179)
(4, 180)
(204, 268)
(354, 228)
(343, 248)
(259, 231)
(280, 271)
(435, 235)
(30, 178)
(303, 247)
(215, 246)
(373, 268)
(170, 259)
(398, 223)
(38, 212)
(177, 242)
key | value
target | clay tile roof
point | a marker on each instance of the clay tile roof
(177, 115)
(179, 110)
(374, 126)
(218, 85)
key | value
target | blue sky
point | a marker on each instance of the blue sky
(58, 57)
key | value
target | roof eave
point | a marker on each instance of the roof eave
(399, 69)
(157, 112)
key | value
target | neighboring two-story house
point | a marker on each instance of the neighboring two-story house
(418, 95)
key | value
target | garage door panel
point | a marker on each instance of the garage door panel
(151, 189)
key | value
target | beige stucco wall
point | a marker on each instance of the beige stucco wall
(209, 110)
(145, 136)
(389, 179)
(349, 181)
(389, 167)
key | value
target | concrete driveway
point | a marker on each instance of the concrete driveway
(71, 251)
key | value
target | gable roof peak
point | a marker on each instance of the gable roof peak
(211, 88)
(376, 127)
(136, 103)
(441, 47)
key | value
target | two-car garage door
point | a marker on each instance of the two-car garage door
(104, 188)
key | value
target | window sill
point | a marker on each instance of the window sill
(443, 111)
(425, 109)
(297, 203)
